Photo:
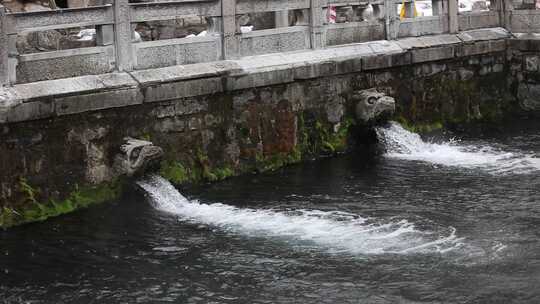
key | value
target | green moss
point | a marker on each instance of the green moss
(146, 136)
(330, 141)
(338, 140)
(80, 197)
(318, 137)
(420, 127)
(276, 161)
(311, 141)
(28, 190)
(223, 173)
(175, 172)
(179, 174)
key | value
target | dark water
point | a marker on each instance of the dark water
(448, 223)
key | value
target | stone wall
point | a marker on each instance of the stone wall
(46, 163)
(524, 66)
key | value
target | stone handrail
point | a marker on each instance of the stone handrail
(115, 50)
(58, 19)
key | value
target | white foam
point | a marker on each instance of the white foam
(402, 144)
(335, 231)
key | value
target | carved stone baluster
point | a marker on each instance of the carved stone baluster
(231, 39)
(123, 35)
(318, 33)
(4, 48)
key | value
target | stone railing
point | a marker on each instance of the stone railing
(522, 17)
(115, 49)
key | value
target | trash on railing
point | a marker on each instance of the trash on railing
(332, 14)
(403, 11)
(246, 29)
(201, 34)
(90, 34)
(86, 35)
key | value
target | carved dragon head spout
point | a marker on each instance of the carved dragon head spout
(372, 106)
(137, 157)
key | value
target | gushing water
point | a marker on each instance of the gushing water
(402, 144)
(335, 231)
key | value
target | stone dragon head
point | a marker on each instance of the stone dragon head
(137, 157)
(372, 106)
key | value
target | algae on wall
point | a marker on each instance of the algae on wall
(312, 138)
(32, 210)
(451, 100)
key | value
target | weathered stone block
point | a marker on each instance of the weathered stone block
(465, 74)
(432, 54)
(429, 69)
(470, 49)
(498, 45)
(498, 68)
(386, 61)
(30, 111)
(190, 106)
(30, 70)
(275, 40)
(474, 61)
(170, 125)
(484, 70)
(164, 111)
(349, 65)
(529, 96)
(97, 101)
(181, 89)
(487, 60)
(531, 63)
(484, 34)
(345, 33)
(311, 71)
(156, 54)
(194, 123)
(518, 44)
(211, 120)
(275, 75)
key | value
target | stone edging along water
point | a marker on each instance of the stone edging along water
(58, 138)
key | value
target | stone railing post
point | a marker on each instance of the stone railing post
(104, 35)
(4, 49)
(453, 21)
(316, 23)
(409, 9)
(528, 4)
(506, 13)
(231, 41)
(123, 35)
(282, 18)
(497, 6)
(438, 7)
(391, 19)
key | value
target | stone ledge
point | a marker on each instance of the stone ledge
(68, 86)
(525, 42)
(185, 72)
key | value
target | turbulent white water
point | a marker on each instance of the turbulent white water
(335, 231)
(402, 144)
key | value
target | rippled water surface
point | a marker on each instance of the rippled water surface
(430, 221)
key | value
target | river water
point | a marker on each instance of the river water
(431, 220)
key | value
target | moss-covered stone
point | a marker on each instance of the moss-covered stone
(178, 173)
(446, 102)
(175, 172)
(81, 197)
(420, 127)
(313, 138)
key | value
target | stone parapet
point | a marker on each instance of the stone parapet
(59, 97)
